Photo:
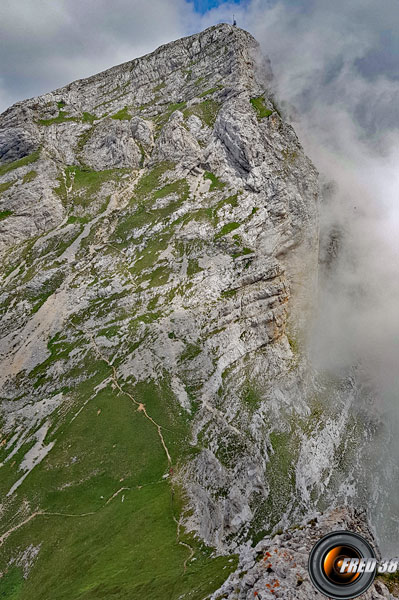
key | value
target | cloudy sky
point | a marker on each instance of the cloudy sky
(48, 43)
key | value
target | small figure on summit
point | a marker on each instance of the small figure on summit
(234, 22)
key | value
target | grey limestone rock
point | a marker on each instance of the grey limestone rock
(277, 566)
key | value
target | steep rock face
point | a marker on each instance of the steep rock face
(277, 567)
(160, 243)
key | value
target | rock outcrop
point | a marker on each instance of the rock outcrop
(277, 566)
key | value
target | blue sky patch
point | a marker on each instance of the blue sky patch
(202, 6)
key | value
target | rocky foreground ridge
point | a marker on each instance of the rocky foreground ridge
(277, 567)
(159, 240)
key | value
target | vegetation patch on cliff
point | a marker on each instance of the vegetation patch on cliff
(22, 162)
(260, 107)
(5, 213)
(207, 111)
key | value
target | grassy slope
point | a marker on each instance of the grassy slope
(124, 549)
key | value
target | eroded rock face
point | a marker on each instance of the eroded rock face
(16, 143)
(112, 145)
(277, 566)
(159, 235)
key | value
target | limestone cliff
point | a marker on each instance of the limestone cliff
(159, 244)
(277, 567)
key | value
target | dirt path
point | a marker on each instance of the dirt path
(45, 513)
(140, 406)
(5, 535)
(181, 543)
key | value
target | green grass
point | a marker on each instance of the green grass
(48, 288)
(190, 352)
(229, 294)
(5, 213)
(144, 265)
(159, 276)
(207, 111)
(280, 475)
(210, 213)
(226, 229)
(242, 252)
(294, 345)
(76, 219)
(290, 156)
(29, 176)
(122, 115)
(193, 267)
(230, 446)
(164, 117)
(159, 87)
(152, 180)
(230, 200)
(86, 183)
(210, 91)
(144, 215)
(216, 184)
(250, 395)
(59, 349)
(53, 247)
(285, 450)
(6, 186)
(82, 139)
(179, 187)
(88, 178)
(11, 584)
(391, 580)
(110, 332)
(143, 155)
(62, 117)
(176, 106)
(129, 550)
(147, 192)
(126, 224)
(88, 117)
(148, 256)
(22, 162)
(125, 549)
(259, 105)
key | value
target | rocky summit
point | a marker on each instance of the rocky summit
(160, 421)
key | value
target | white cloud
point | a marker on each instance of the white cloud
(48, 43)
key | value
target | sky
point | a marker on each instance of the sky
(202, 6)
(336, 67)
